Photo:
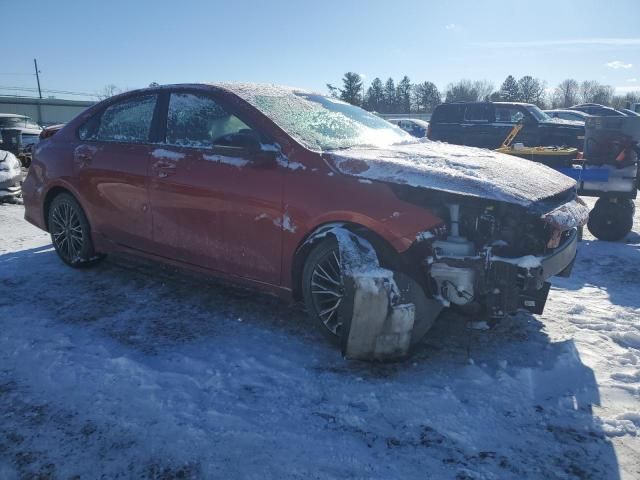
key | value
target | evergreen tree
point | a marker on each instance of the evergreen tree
(403, 95)
(509, 91)
(352, 89)
(390, 100)
(427, 96)
(375, 96)
(531, 90)
(333, 91)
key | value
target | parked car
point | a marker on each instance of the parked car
(250, 183)
(18, 134)
(597, 110)
(629, 113)
(565, 114)
(487, 124)
(10, 176)
(413, 126)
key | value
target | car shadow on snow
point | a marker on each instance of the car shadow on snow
(610, 266)
(503, 403)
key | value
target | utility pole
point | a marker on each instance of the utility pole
(35, 64)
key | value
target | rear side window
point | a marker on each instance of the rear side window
(448, 113)
(196, 120)
(478, 112)
(128, 121)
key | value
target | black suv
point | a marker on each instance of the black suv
(486, 124)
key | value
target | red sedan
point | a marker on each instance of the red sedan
(251, 183)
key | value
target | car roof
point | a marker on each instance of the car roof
(566, 110)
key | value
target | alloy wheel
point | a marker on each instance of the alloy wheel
(66, 231)
(327, 290)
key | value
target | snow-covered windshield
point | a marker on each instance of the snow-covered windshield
(320, 122)
(538, 114)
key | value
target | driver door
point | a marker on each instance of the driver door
(208, 192)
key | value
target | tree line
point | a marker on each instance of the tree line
(408, 97)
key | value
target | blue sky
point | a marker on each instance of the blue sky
(84, 45)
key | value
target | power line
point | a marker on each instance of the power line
(35, 90)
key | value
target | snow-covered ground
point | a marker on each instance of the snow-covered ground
(127, 371)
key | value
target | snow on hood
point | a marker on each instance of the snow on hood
(562, 121)
(455, 169)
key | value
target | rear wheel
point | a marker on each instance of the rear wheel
(70, 232)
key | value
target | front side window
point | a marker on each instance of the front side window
(196, 120)
(508, 114)
(128, 121)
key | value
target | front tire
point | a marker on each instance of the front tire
(70, 232)
(323, 288)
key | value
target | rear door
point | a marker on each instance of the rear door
(214, 203)
(446, 123)
(111, 163)
(478, 130)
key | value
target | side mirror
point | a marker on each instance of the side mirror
(261, 155)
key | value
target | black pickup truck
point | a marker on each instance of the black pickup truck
(486, 125)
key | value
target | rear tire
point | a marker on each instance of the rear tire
(71, 233)
(611, 219)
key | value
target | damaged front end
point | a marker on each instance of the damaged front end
(497, 258)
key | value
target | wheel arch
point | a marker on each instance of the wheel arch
(52, 193)
(317, 234)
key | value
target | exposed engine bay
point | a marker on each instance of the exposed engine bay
(496, 258)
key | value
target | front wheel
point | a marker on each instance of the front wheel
(70, 232)
(323, 287)
(324, 292)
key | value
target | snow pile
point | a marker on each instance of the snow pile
(455, 169)
(128, 371)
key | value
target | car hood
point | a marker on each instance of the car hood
(565, 123)
(454, 169)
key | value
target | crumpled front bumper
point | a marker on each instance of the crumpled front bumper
(522, 282)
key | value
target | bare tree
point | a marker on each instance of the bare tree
(592, 91)
(108, 91)
(566, 94)
(469, 91)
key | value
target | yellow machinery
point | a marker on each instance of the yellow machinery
(552, 156)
